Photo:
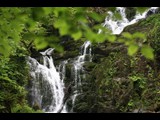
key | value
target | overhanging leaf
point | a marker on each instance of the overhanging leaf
(77, 35)
(111, 38)
(139, 35)
(127, 35)
(132, 49)
(147, 51)
(96, 16)
(63, 26)
(37, 13)
(47, 10)
(40, 44)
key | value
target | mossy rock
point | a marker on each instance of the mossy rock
(69, 105)
(88, 66)
(143, 25)
(96, 58)
(75, 45)
(71, 54)
(81, 107)
(68, 70)
(36, 106)
(130, 13)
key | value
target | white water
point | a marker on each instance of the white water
(78, 69)
(117, 26)
(48, 83)
(46, 77)
(85, 50)
(62, 70)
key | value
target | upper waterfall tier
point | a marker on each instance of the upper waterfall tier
(117, 26)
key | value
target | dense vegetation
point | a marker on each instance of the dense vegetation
(123, 83)
(129, 74)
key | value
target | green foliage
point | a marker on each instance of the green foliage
(28, 24)
(127, 83)
(44, 27)
(147, 51)
(153, 33)
(135, 42)
(13, 77)
(131, 103)
(132, 49)
(24, 109)
(140, 80)
(11, 93)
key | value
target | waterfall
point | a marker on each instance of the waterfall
(85, 55)
(62, 71)
(117, 26)
(47, 87)
(48, 83)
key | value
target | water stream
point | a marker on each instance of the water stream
(47, 87)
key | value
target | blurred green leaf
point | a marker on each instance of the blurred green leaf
(147, 51)
(101, 38)
(37, 13)
(47, 10)
(129, 42)
(127, 35)
(28, 36)
(59, 11)
(139, 35)
(57, 47)
(77, 35)
(5, 48)
(90, 35)
(31, 25)
(40, 44)
(63, 26)
(111, 38)
(96, 16)
(121, 40)
(132, 49)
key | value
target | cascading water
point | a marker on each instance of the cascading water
(48, 85)
(85, 50)
(62, 71)
(78, 69)
(117, 26)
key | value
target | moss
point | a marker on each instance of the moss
(24, 109)
(81, 107)
(88, 66)
(71, 54)
(68, 72)
(130, 13)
